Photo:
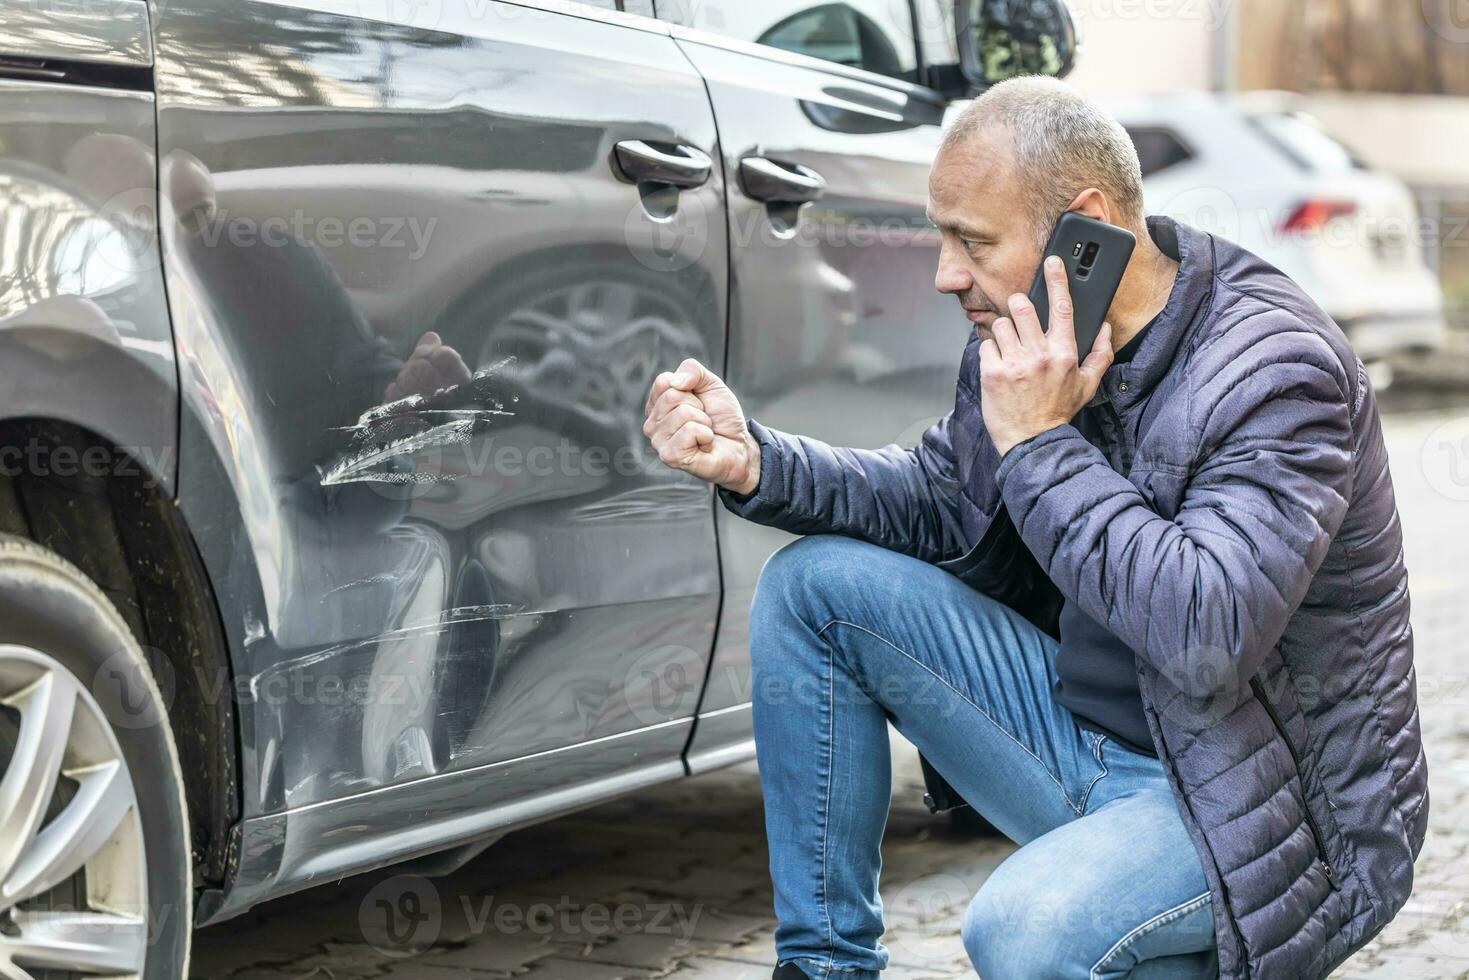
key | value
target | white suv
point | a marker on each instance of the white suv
(1258, 171)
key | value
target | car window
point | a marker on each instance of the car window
(1302, 139)
(1158, 148)
(874, 35)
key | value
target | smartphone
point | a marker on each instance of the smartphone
(1095, 255)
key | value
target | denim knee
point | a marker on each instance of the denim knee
(1002, 944)
(800, 587)
(982, 927)
(798, 576)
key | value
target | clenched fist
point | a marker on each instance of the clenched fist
(695, 424)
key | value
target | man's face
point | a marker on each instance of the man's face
(991, 247)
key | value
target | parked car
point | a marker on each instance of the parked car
(329, 538)
(1259, 171)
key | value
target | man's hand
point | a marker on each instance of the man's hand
(432, 366)
(695, 424)
(1029, 380)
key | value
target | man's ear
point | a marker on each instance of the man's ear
(1092, 203)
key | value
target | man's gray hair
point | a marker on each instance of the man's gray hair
(1064, 143)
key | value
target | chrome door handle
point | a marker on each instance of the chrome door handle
(769, 180)
(679, 165)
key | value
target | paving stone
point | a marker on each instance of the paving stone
(721, 926)
(332, 964)
(560, 968)
(210, 960)
(658, 953)
(494, 952)
(758, 948)
(709, 968)
(418, 968)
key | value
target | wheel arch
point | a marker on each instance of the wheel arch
(110, 512)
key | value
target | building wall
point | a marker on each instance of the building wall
(1139, 46)
(1403, 46)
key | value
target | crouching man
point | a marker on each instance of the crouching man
(1155, 601)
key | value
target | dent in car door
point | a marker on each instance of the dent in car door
(836, 331)
(440, 584)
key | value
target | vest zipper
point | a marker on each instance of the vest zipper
(1315, 828)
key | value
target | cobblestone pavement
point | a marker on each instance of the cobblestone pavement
(673, 882)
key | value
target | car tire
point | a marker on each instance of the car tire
(95, 867)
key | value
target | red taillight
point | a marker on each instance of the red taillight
(1311, 215)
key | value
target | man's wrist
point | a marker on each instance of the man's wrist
(1006, 443)
(751, 482)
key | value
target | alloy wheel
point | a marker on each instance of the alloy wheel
(73, 873)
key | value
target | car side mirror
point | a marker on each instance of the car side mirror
(1000, 39)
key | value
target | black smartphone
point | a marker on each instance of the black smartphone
(1095, 255)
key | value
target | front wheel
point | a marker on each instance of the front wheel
(94, 854)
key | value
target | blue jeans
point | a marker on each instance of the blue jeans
(847, 636)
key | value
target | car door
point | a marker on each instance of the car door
(835, 328)
(422, 582)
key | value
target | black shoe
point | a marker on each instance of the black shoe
(789, 971)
